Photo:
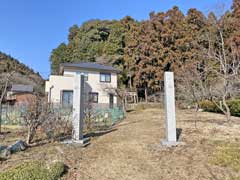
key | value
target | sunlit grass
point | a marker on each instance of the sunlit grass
(227, 155)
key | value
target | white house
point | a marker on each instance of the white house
(99, 89)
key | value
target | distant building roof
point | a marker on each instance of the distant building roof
(22, 88)
(89, 65)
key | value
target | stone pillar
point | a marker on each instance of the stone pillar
(170, 119)
(78, 107)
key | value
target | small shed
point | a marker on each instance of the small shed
(20, 94)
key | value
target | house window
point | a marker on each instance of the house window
(67, 98)
(105, 77)
(93, 97)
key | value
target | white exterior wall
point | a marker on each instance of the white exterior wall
(93, 84)
(59, 83)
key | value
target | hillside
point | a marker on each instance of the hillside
(23, 74)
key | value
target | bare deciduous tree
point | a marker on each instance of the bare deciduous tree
(223, 65)
(34, 115)
(58, 123)
(217, 76)
(192, 85)
(52, 121)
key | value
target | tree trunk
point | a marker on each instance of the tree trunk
(146, 95)
(30, 135)
(124, 105)
(227, 111)
(0, 118)
(130, 81)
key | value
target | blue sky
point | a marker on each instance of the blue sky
(30, 29)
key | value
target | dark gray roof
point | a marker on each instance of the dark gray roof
(22, 88)
(90, 65)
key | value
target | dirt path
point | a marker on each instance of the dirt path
(133, 150)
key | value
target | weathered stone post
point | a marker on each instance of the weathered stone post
(78, 109)
(170, 117)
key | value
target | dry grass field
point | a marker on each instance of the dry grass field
(132, 150)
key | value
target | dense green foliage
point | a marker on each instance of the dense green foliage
(93, 39)
(234, 106)
(34, 170)
(144, 50)
(23, 74)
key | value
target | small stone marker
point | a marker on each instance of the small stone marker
(78, 110)
(170, 117)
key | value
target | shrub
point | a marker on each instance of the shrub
(34, 170)
(209, 106)
(56, 170)
(234, 106)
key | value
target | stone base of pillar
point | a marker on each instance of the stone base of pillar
(167, 143)
(83, 142)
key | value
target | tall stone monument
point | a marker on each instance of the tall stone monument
(170, 117)
(78, 109)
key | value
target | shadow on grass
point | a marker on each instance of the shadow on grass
(99, 133)
(179, 132)
(132, 122)
(43, 141)
(130, 110)
(5, 133)
(2, 159)
(210, 121)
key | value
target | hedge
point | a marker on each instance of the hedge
(34, 170)
(234, 106)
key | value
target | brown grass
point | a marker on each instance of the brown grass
(132, 150)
